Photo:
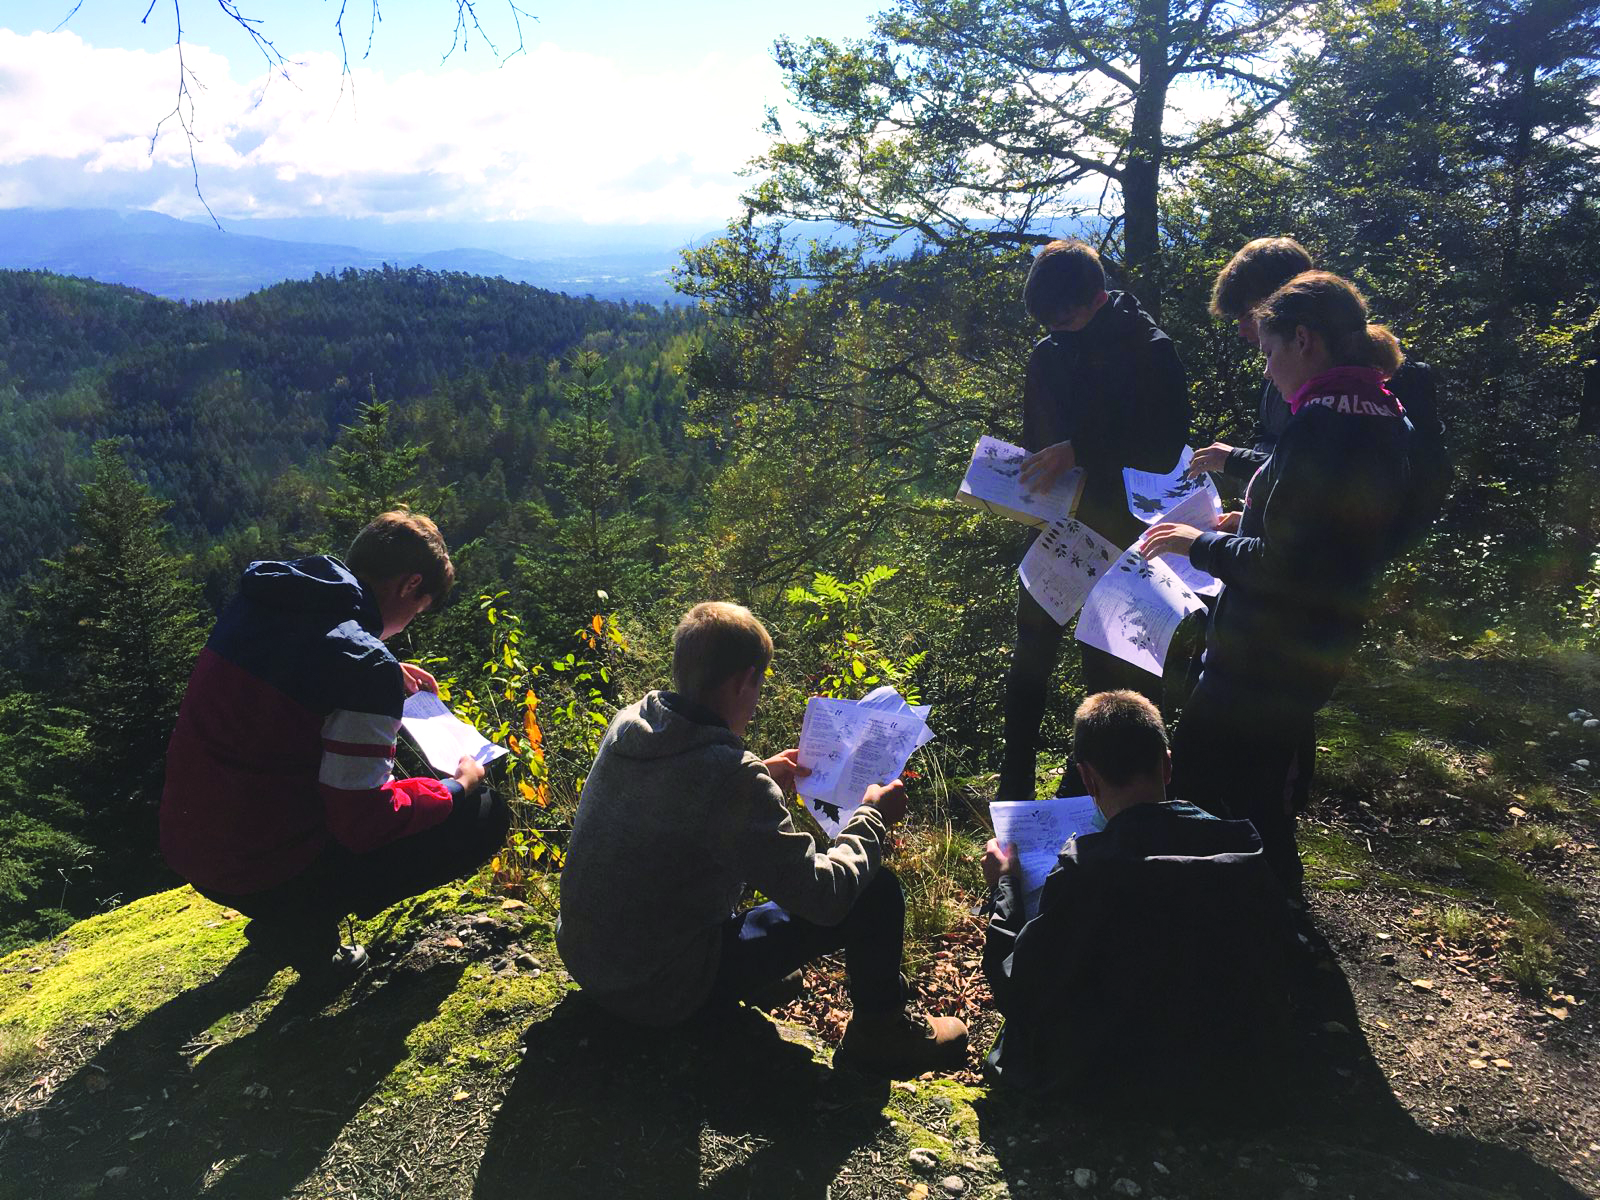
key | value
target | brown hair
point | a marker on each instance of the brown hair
(1121, 735)
(1260, 268)
(402, 542)
(714, 642)
(1065, 275)
(1336, 311)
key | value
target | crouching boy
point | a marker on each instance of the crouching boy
(1155, 967)
(677, 818)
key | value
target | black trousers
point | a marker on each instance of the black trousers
(1033, 663)
(765, 943)
(1248, 752)
(302, 915)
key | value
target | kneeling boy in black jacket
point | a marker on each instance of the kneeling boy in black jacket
(1155, 966)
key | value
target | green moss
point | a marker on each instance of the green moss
(128, 961)
(952, 1102)
(478, 1027)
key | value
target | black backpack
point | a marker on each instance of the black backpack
(1432, 472)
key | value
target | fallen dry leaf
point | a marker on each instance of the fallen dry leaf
(1477, 1064)
(1423, 985)
(1503, 1063)
(460, 1096)
(1560, 1013)
(512, 905)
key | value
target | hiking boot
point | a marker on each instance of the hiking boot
(779, 993)
(902, 1044)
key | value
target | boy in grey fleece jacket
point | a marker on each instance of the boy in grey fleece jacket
(677, 818)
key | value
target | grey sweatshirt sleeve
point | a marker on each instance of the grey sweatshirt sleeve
(757, 838)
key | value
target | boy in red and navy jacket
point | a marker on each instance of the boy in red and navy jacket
(280, 798)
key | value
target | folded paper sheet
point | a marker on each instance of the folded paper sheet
(1201, 510)
(849, 745)
(442, 736)
(1063, 565)
(1134, 610)
(994, 482)
(1039, 829)
(1151, 497)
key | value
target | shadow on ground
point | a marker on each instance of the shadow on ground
(251, 1118)
(1326, 1124)
(731, 1109)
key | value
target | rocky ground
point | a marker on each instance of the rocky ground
(1449, 1044)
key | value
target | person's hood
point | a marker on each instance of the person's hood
(1179, 830)
(1121, 318)
(662, 725)
(320, 584)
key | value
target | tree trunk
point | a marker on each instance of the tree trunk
(1141, 177)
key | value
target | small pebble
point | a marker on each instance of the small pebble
(1161, 1169)
(1592, 723)
(1085, 1178)
(453, 943)
(527, 961)
(953, 1185)
(923, 1160)
(1125, 1187)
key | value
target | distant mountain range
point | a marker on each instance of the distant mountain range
(190, 260)
(186, 260)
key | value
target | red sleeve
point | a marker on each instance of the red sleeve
(366, 805)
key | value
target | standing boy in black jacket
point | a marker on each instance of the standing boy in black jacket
(1104, 390)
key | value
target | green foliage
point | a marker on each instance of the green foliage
(372, 475)
(550, 751)
(120, 627)
(835, 620)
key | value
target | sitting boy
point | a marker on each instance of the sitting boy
(1155, 964)
(280, 798)
(677, 818)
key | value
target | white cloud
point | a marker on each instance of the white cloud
(553, 134)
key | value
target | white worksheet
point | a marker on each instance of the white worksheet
(994, 482)
(1152, 497)
(442, 736)
(1134, 609)
(1201, 510)
(1063, 565)
(1039, 829)
(849, 745)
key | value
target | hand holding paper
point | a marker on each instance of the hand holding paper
(1039, 829)
(847, 745)
(443, 737)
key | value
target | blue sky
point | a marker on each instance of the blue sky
(618, 112)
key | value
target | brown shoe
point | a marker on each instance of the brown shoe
(902, 1044)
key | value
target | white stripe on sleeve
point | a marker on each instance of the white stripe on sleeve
(372, 729)
(353, 772)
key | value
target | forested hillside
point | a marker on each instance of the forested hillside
(227, 410)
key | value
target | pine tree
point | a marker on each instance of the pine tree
(374, 475)
(120, 625)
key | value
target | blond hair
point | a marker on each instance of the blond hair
(714, 642)
(1121, 735)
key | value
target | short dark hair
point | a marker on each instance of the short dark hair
(714, 642)
(1065, 275)
(402, 542)
(1121, 735)
(1260, 268)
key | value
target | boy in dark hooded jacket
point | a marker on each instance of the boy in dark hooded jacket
(1155, 967)
(1104, 390)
